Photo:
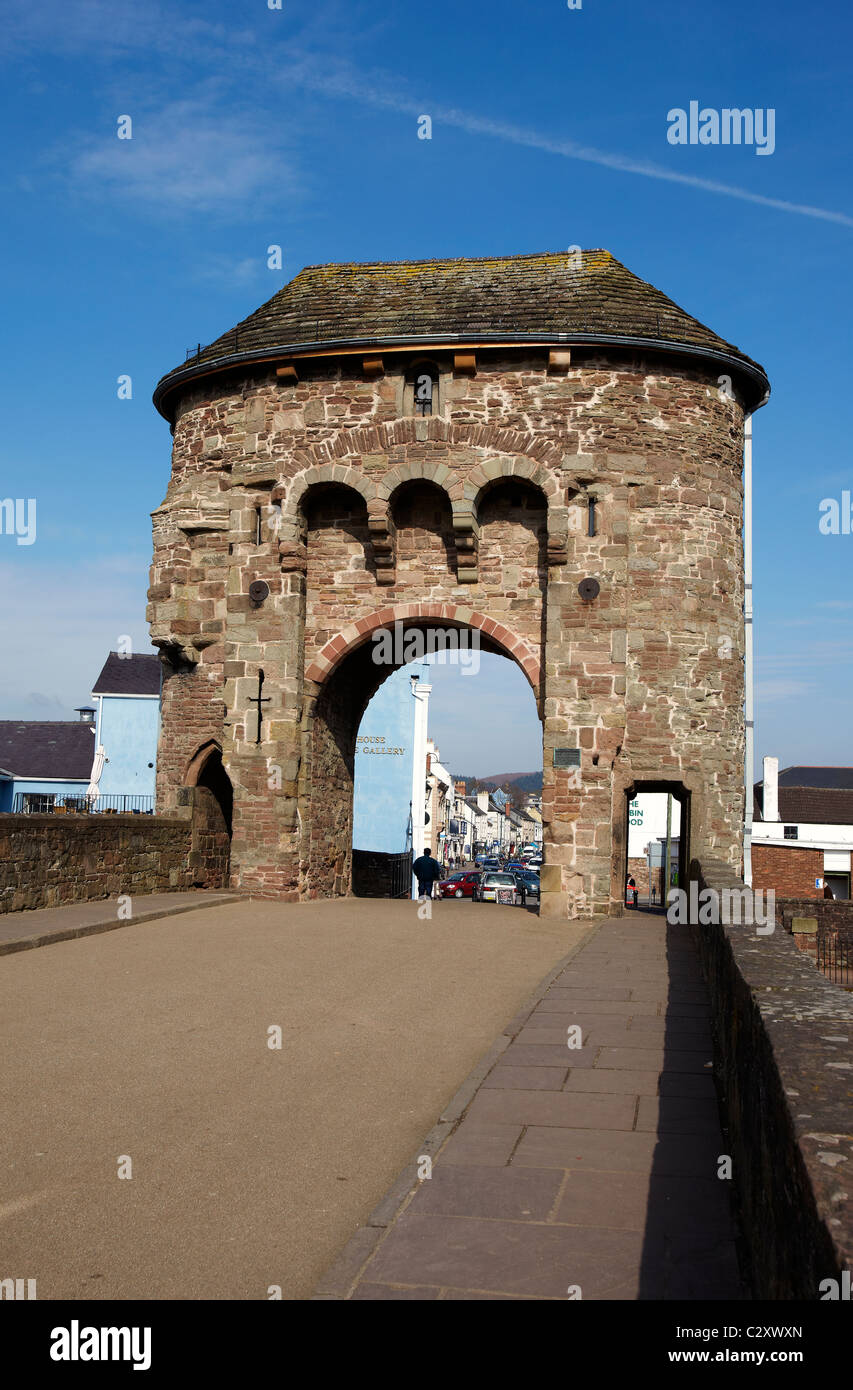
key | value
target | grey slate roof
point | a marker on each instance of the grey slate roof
(52, 748)
(536, 295)
(829, 802)
(138, 674)
(803, 776)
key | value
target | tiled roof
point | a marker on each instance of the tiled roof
(815, 805)
(136, 674)
(810, 805)
(536, 296)
(816, 777)
(54, 748)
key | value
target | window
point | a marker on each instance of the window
(421, 389)
(423, 392)
(792, 832)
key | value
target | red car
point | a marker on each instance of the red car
(459, 885)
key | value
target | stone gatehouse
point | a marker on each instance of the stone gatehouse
(544, 448)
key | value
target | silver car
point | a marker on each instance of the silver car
(498, 888)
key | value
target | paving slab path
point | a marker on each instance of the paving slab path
(573, 1172)
(43, 926)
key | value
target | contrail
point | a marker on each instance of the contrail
(342, 85)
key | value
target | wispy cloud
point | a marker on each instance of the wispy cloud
(61, 627)
(99, 29)
(771, 691)
(373, 91)
(188, 156)
(827, 654)
(230, 273)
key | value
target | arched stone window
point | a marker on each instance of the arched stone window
(422, 390)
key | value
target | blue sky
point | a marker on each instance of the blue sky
(254, 127)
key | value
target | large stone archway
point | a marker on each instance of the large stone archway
(576, 498)
(340, 682)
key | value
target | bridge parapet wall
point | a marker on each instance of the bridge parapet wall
(782, 1036)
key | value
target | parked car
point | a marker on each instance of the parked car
(460, 885)
(491, 864)
(534, 864)
(528, 883)
(498, 888)
(514, 864)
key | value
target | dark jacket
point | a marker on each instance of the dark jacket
(426, 869)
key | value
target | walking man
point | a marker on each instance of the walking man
(426, 870)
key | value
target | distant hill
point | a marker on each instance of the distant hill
(525, 781)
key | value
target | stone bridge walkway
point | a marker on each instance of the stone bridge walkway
(589, 1172)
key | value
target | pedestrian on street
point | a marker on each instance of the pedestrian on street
(426, 871)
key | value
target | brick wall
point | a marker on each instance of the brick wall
(831, 915)
(789, 870)
(782, 1040)
(210, 849)
(49, 860)
(638, 870)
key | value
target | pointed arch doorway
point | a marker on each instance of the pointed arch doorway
(212, 811)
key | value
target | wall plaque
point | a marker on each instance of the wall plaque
(567, 757)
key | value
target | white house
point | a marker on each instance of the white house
(802, 833)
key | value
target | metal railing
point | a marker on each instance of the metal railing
(71, 803)
(835, 955)
(656, 327)
(401, 875)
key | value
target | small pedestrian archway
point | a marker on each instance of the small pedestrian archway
(212, 802)
(347, 675)
(644, 811)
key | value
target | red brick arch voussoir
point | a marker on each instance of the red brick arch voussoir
(356, 633)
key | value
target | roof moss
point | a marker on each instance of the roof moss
(567, 293)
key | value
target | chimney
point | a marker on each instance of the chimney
(770, 799)
(483, 800)
(460, 788)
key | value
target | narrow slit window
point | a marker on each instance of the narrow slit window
(424, 385)
(258, 535)
(590, 507)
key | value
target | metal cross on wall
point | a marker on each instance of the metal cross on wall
(259, 700)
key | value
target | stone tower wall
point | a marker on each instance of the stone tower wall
(478, 514)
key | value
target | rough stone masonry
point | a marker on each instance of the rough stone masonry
(457, 444)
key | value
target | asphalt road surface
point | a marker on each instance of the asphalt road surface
(250, 1166)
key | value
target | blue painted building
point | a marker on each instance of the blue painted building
(106, 760)
(384, 766)
(44, 762)
(127, 726)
